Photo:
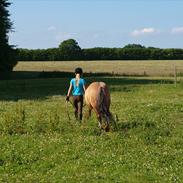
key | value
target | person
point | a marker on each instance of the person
(77, 87)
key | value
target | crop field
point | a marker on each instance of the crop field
(38, 142)
(127, 68)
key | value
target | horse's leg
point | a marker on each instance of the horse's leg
(88, 114)
(99, 118)
(106, 115)
(99, 121)
(107, 127)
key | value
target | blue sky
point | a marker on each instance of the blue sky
(97, 23)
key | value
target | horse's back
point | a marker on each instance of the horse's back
(93, 94)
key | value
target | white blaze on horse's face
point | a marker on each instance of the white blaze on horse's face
(97, 97)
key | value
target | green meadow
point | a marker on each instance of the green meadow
(38, 142)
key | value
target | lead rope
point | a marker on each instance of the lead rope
(66, 104)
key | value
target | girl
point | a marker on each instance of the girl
(77, 85)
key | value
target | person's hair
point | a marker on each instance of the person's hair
(78, 70)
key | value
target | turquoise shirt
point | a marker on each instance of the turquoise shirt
(77, 90)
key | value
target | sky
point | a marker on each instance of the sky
(97, 23)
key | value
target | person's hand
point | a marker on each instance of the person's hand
(67, 98)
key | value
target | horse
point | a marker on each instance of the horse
(97, 97)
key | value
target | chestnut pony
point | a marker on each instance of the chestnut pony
(97, 97)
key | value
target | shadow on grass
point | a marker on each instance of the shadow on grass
(25, 85)
(18, 75)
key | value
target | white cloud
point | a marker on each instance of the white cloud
(144, 31)
(177, 30)
(51, 28)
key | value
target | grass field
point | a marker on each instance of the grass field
(39, 144)
(150, 68)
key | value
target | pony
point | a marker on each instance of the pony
(97, 97)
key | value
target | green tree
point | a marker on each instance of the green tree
(134, 46)
(70, 50)
(7, 53)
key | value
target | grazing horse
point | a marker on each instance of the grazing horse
(97, 97)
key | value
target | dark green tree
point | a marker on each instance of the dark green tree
(70, 50)
(134, 46)
(7, 53)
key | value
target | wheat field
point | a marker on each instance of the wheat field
(149, 68)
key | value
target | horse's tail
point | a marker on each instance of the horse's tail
(108, 116)
(103, 106)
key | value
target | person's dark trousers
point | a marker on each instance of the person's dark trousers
(78, 106)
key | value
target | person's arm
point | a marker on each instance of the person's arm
(69, 92)
(84, 86)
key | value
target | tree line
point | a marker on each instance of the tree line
(8, 55)
(70, 50)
